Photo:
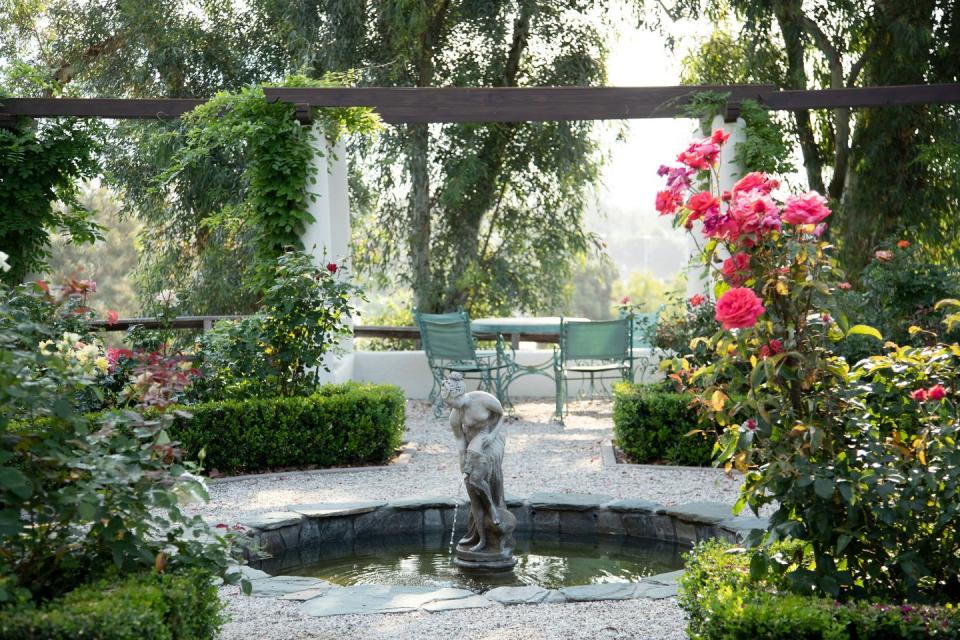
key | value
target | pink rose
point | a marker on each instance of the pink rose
(755, 180)
(884, 256)
(807, 208)
(936, 392)
(920, 395)
(846, 286)
(739, 308)
(736, 269)
(753, 210)
(624, 299)
(700, 155)
(696, 300)
(112, 317)
(702, 203)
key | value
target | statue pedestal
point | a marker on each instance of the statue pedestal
(483, 561)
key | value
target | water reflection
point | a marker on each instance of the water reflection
(543, 560)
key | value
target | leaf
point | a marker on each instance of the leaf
(15, 482)
(864, 330)
(782, 288)
(717, 400)
(823, 487)
(842, 541)
(758, 566)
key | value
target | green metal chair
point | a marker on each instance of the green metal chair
(594, 351)
(450, 346)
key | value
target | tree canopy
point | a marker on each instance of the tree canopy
(890, 171)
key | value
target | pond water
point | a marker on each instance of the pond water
(546, 561)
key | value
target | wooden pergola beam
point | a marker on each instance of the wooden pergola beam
(527, 104)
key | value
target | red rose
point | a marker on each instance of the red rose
(920, 395)
(696, 300)
(936, 392)
(776, 346)
(719, 137)
(667, 202)
(332, 267)
(736, 269)
(756, 180)
(739, 308)
(702, 203)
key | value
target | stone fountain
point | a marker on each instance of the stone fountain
(476, 421)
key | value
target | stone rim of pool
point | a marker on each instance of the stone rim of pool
(310, 526)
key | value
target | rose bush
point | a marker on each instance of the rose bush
(865, 475)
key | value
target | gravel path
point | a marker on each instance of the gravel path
(541, 456)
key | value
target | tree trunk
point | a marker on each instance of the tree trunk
(418, 240)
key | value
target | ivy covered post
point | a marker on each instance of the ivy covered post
(327, 237)
(729, 171)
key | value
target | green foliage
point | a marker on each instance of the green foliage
(392, 310)
(280, 349)
(338, 425)
(39, 168)
(80, 495)
(730, 595)
(651, 424)
(276, 153)
(897, 294)
(678, 327)
(110, 262)
(141, 606)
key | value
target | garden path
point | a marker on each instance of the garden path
(541, 456)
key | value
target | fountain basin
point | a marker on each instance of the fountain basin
(304, 536)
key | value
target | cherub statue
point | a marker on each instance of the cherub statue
(475, 419)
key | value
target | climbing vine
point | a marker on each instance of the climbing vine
(275, 152)
(40, 166)
(764, 148)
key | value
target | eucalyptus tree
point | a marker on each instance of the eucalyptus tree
(488, 216)
(890, 170)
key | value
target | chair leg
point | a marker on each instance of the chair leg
(434, 397)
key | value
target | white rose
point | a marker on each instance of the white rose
(4, 265)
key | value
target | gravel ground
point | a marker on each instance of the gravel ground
(541, 456)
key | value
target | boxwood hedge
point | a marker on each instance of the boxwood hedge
(346, 424)
(651, 423)
(724, 603)
(141, 606)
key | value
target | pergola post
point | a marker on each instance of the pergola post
(327, 237)
(729, 172)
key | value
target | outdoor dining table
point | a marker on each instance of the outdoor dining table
(540, 329)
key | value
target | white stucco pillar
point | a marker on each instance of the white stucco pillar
(327, 238)
(729, 173)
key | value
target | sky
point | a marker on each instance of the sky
(639, 239)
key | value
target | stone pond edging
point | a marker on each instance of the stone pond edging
(309, 526)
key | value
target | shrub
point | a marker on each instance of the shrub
(142, 606)
(724, 602)
(338, 425)
(279, 350)
(83, 495)
(651, 423)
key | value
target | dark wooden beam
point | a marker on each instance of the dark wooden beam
(525, 104)
(456, 104)
(150, 108)
(901, 95)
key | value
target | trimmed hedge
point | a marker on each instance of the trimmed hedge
(724, 604)
(650, 424)
(143, 606)
(339, 425)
